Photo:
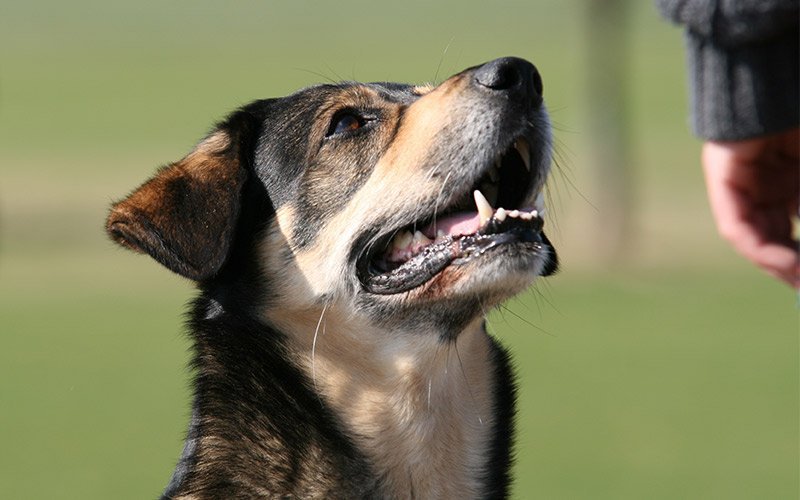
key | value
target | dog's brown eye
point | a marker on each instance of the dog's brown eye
(347, 121)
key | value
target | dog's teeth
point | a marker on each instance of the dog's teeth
(534, 213)
(420, 239)
(526, 215)
(513, 213)
(524, 151)
(402, 240)
(485, 210)
(500, 214)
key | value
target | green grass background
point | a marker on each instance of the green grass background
(670, 374)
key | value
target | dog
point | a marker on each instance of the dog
(347, 241)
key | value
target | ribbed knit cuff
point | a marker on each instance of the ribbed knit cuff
(744, 92)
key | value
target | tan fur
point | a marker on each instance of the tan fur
(410, 402)
(423, 120)
(400, 165)
(423, 89)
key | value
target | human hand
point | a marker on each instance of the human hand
(753, 187)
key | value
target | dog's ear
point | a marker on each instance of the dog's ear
(185, 216)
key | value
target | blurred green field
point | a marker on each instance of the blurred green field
(671, 374)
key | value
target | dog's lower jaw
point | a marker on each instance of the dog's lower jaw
(495, 278)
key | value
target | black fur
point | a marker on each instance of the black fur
(501, 454)
(279, 436)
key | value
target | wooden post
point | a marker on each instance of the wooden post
(607, 83)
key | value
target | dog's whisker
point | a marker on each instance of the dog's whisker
(526, 321)
(537, 290)
(335, 73)
(318, 74)
(432, 172)
(314, 349)
(562, 162)
(441, 60)
(442, 349)
(536, 301)
(468, 385)
(430, 383)
(447, 358)
(438, 199)
(484, 310)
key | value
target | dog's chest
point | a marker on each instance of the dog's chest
(423, 451)
(425, 422)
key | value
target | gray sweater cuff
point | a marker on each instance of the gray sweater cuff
(744, 91)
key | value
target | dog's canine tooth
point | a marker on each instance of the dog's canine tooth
(521, 145)
(420, 239)
(485, 210)
(500, 214)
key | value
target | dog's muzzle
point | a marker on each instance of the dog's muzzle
(502, 207)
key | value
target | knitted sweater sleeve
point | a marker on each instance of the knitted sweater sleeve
(743, 61)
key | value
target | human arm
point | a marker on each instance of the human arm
(753, 189)
(743, 73)
(742, 60)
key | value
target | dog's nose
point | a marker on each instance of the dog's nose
(519, 78)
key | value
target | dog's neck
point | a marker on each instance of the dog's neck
(419, 407)
(318, 406)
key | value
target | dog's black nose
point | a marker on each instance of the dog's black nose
(519, 78)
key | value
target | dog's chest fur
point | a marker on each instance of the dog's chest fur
(367, 423)
(421, 411)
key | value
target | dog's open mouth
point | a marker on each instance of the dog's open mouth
(498, 210)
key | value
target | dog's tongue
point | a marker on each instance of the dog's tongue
(454, 225)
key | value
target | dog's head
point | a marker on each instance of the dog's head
(399, 202)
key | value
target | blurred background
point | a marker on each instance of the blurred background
(656, 364)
